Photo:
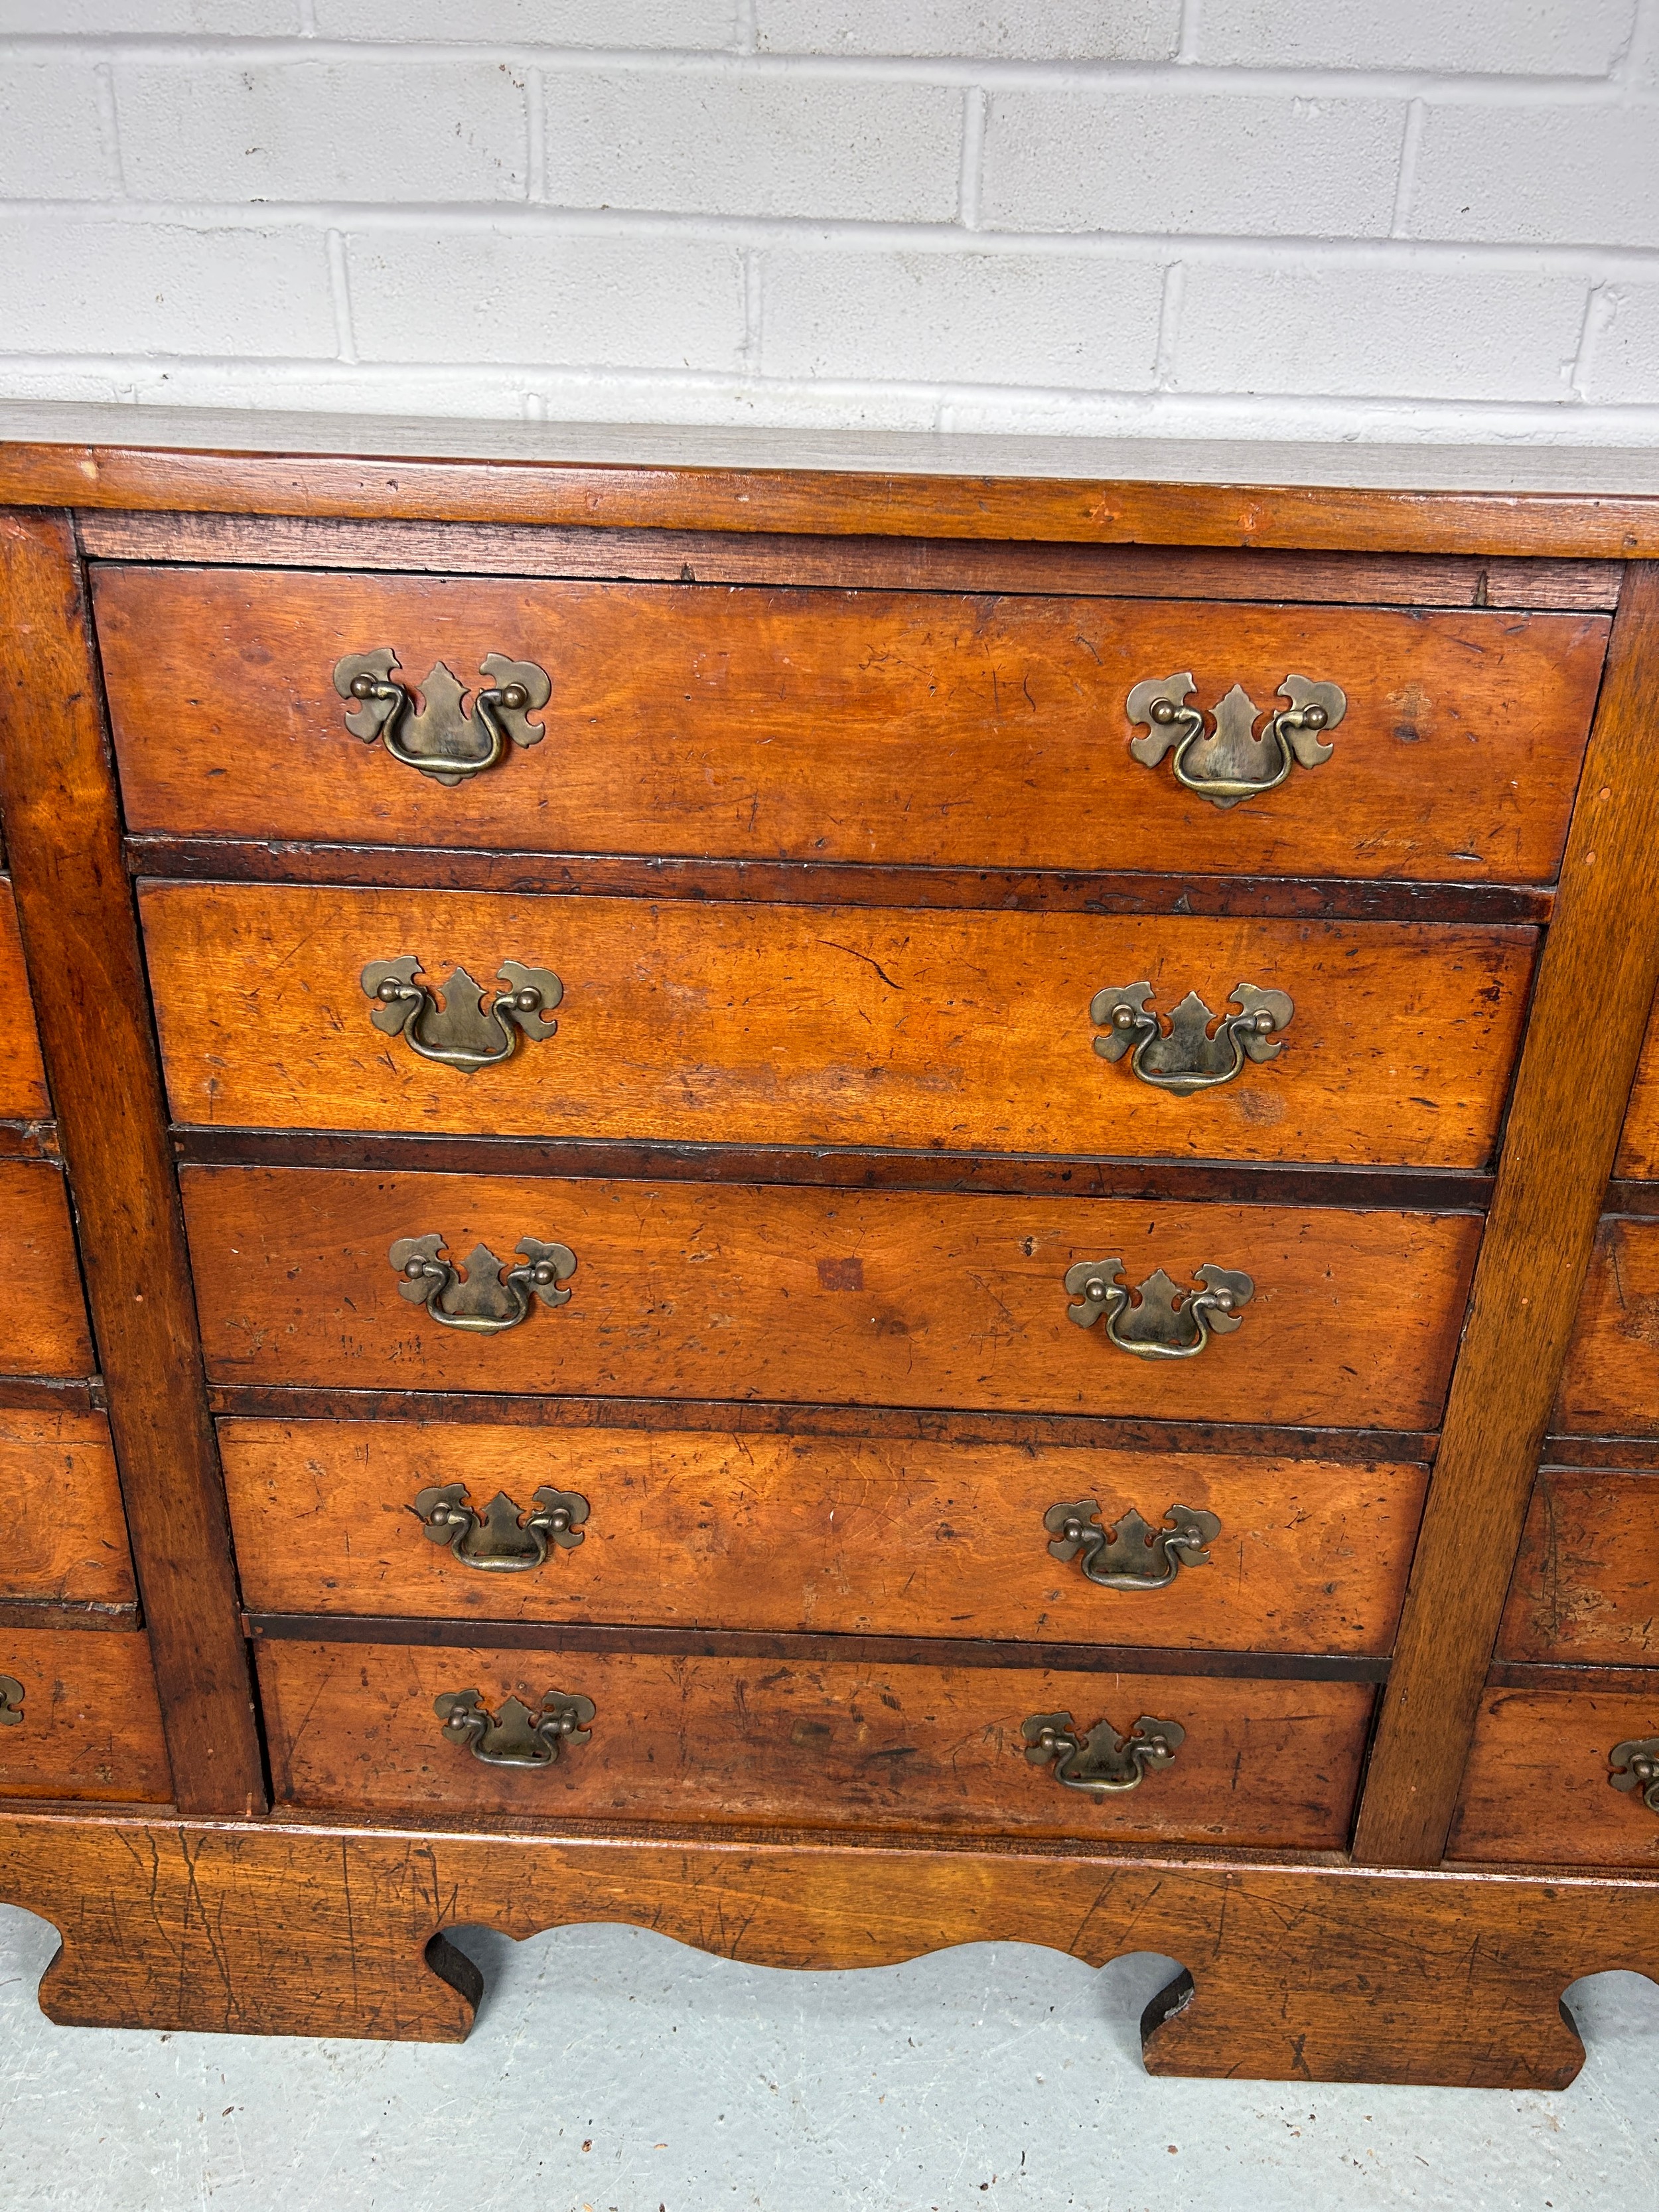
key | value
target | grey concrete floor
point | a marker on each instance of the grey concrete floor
(613, 2071)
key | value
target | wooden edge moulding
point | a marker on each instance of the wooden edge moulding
(1386, 1963)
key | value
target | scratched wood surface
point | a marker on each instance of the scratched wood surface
(66, 1536)
(1583, 1586)
(43, 1313)
(1611, 1385)
(351, 1727)
(22, 1078)
(837, 1025)
(864, 1298)
(848, 726)
(842, 1534)
(1538, 1783)
(91, 1726)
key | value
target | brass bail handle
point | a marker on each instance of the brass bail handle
(490, 1297)
(1162, 1319)
(1099, 1760)
(1189, 1058)
(502, 1539)
(1128, 1554)
(11, 1701)
(1232, 762)
(515, 1734)
(443, 739)
(462, 1033)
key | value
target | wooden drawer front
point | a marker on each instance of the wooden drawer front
(1538, 1784)
(1638, 1146)
(66, 1534)
(22, 1078)
(351, 1727)
(90, 1725)
(884, 1298)
(776, 1024)
(1588, 1571)
(833, 1534)
(1611, 1383)
(847, 725)
(42, 1315)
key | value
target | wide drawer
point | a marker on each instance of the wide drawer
(1610, 1385)
(66, 1538)
(79, 1717)
(43, 1314)
(1539, 1784)
(22, 1078)
(932, 728)
(893, 1299)
(838, 1025)
(839, 1534)
(352, 1726)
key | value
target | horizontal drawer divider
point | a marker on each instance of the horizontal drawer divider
(65, 1613)
(29, 1140)
(1636, 1200)
(818, 883)
(1548, 1674)
(45, 1393)
(847, 1167)
(276, 1401)
(808, 1649)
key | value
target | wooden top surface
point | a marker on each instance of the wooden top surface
(1566, 501)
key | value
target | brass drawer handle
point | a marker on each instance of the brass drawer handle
(503, 1539)
(461, 1032)
(490, 1296)
(11, 1701)
(1188, 1058)
(1232, 762)
(441, 737)
(1102, 1762)
(513, 1735)
(1129, 1555)
(1636, 1767)
(1169, 1322)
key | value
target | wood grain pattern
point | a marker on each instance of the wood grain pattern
(91, 1726)
(1583, 1586)
(796, 1532)
(1538, 1783)
(1611, 1384)
(65, 1535)
(1300, 1972)
(880, 1298)
(1574, 1076)
(43, 1313)
(849, 727)
(1638, 1143)
(62, 836)
(351, 1727)
(22, 1078)
(894, 564)
(828, 1026)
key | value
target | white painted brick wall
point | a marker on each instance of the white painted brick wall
(1320, 218)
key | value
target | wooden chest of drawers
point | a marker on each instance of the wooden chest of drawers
(840, 1209)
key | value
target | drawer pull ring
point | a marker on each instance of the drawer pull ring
(1232, 762)
(11, 1701)
(513, 1735)
(461, 1033)
(1169, 1322)
(503, 1539)
(441, 737)
(1188, 1058)
(1102, 1762)
(1636, 1767)
(1128, 1555)
(491, 1296)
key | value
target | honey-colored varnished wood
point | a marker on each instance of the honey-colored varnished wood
(43, 1313)
(90, 1726)
(66, 1538)
(1538, 1786)
(1611, 1385)
(1293, 1972)
(1583, 1586)
(848, 727)
(351, 1727)
(876, 1298)
(833, 1025)
(1595, 983)
(846, 1535)
(1638, 1142)
(22, 1078)
(79, 937)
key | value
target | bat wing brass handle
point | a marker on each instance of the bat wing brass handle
(513, 1735)
(462, 1032)
(1161, 1320)
(441, 736)
(1232, 761)
(1128, 1554)
(1636, 1767)
(503, 1539)
(1101, 1762)
(490, 1296)
(11, 1701)
(1189, 1058)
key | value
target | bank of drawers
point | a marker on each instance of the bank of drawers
(952, 1617)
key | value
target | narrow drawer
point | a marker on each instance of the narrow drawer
(1587, 1573)
(352, 1726)
(66, 1538)
(932, 728)
(80, 1716)
(1539, 1781)
(1638, 1145)
(897, 1298)
(833, 1534)
(836, 1025)
(1610, 1385)
(22, 1078)
(43, 1314)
